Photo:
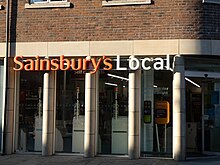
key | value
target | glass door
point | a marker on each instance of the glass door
(211, 115)
(202, 114)
(70, 112)
(113, 112)
(202, 103)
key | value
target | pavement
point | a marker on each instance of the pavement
(17, 159)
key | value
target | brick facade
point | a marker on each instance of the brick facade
(87, 20)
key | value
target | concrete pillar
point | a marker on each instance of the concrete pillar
(90, 115)
(134, 104)
(16, 109)
(54, 109)
(97, 112)
(48, 113)
(9, 127)
(179, 112)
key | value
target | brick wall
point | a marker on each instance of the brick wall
(2, 22)
(89, 21)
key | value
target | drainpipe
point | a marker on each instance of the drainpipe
(3, 148)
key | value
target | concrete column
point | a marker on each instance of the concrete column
(134, 104)
(97, 112)
(48, 113)
(54, 110)
(16, 109)
(9, 127)
(90, 115)
(179, 113)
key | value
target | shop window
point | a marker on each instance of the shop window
(113, 112)
(30, 112)
(156, 112)
(211, 1)
(70, 112)
(1, 98)
(125, 2)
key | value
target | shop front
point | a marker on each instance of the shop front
(106, 94)
(140, 106)
(119, 107)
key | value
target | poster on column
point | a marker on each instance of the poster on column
(162, 112)
(147, 111)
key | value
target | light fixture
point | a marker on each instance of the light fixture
(192, 82)
(111, 84)
(155, 86)
(119, 77)
(187, 79)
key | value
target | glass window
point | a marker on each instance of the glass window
(70, 112)
(206, 63)
(202, 105)
(1, 96)
(211, 1)
(30, 111)
(156, 112)
(113, 112)
(48, 1)
(125, 2)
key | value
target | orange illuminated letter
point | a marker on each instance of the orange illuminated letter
(54, 62)
(108, 63)
(44, 62)
(85, 63)
(96, 65)
(73, 64)
(64, 62)
(16, 61)
(29, 66)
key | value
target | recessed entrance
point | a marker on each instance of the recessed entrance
(113, 113)
(202, 113)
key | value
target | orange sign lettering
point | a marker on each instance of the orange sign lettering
(62, 63)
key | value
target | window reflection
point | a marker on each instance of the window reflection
(30, 111)
(70, 111)
(156, 121)
(113, 112)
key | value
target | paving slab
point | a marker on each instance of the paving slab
(17, 159)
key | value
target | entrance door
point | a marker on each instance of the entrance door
(211, 115)
(113, 113)
(203, 112)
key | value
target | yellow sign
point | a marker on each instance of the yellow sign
(162, 112)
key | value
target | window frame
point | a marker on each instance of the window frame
(125, 2)
(47, 1)
(211, 1)
(47, 4)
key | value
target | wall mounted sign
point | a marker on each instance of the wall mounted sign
(91, 64)
(147, 111)
(162, 112)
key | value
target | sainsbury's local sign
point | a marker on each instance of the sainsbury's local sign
(91, 64)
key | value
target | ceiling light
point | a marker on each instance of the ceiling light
(192, 82)
(119, 77)
(111, 84)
